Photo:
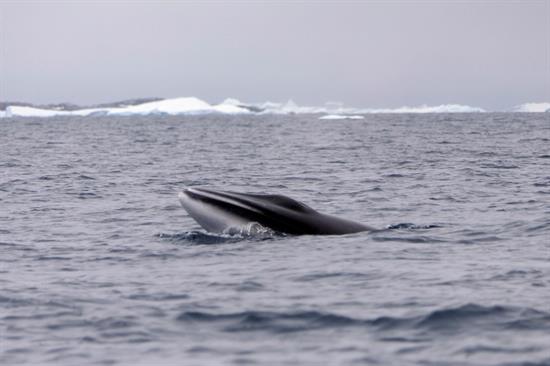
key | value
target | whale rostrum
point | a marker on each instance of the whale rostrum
(218, 211)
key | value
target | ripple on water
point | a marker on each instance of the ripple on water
(99, 264)
(465, 318)
(203, 238)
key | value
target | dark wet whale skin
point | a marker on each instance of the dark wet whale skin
(277, 212)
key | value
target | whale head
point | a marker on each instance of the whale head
(220, 211)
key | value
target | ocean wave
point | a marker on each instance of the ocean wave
(411, 226)
(197, 237)
(269, 321)
(230, 106)
(461, 318)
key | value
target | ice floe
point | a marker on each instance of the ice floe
(443, 108)
(532, 107)
(341, 116)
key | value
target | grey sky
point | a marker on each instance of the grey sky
(493, 54)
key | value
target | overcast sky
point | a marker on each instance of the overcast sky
(492, 54)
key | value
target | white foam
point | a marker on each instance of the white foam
(532, 107)
(341, 116)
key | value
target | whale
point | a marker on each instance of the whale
(222, 211)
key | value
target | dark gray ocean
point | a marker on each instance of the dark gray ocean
(99, 264)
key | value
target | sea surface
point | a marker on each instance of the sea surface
(100, 265)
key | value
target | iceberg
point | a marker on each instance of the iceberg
(341, 116)
(196, 106)
(337, 109)
(188, 105)
(532, 107)
(443, 108)
(175, 106)
(24, 111)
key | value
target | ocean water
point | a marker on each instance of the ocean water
(100, 265)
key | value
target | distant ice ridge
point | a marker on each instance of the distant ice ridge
(533, 107)
(195, 106)
(334, 108)
(190, 105)
(443, 108)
